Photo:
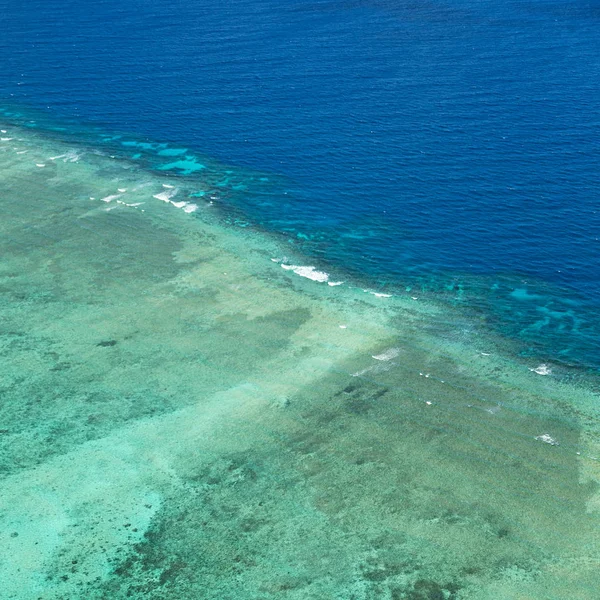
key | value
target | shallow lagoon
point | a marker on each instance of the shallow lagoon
(182, 417)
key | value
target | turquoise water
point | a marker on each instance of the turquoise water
(299, 300)
(544, 319)
(446, 146)
(190, 410)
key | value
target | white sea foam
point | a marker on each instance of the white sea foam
(388, 354)
(39, 165)
(542, 370)
(547, 439)
(22, 151)
(308, 272)
(334, 283)
(131, 204)
(187, 207)
(165, 196)
(6, 139)
(377, 294)
(3, 131)
(70, 156)
(110, 198)
(166, 185)
(122, 190)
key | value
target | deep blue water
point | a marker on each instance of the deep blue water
(447, 145)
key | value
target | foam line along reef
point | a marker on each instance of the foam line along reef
(182, 417)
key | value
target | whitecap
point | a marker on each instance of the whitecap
(70, 156)
(188, 207)
(547, 439)
(166, 185)
(122, 190)
(334, 283)
(110, 198)
(6, 139)
(543, 369)
(377, 294)
(165, 196)
(387, 355)
(308, 272)
(39, 165)
(132, 204)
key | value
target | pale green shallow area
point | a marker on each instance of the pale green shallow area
(181, 418)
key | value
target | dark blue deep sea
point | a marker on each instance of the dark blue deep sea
(446, 146)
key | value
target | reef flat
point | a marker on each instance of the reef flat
(181, 417)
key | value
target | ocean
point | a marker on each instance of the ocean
(439, 145)
(303, 295)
